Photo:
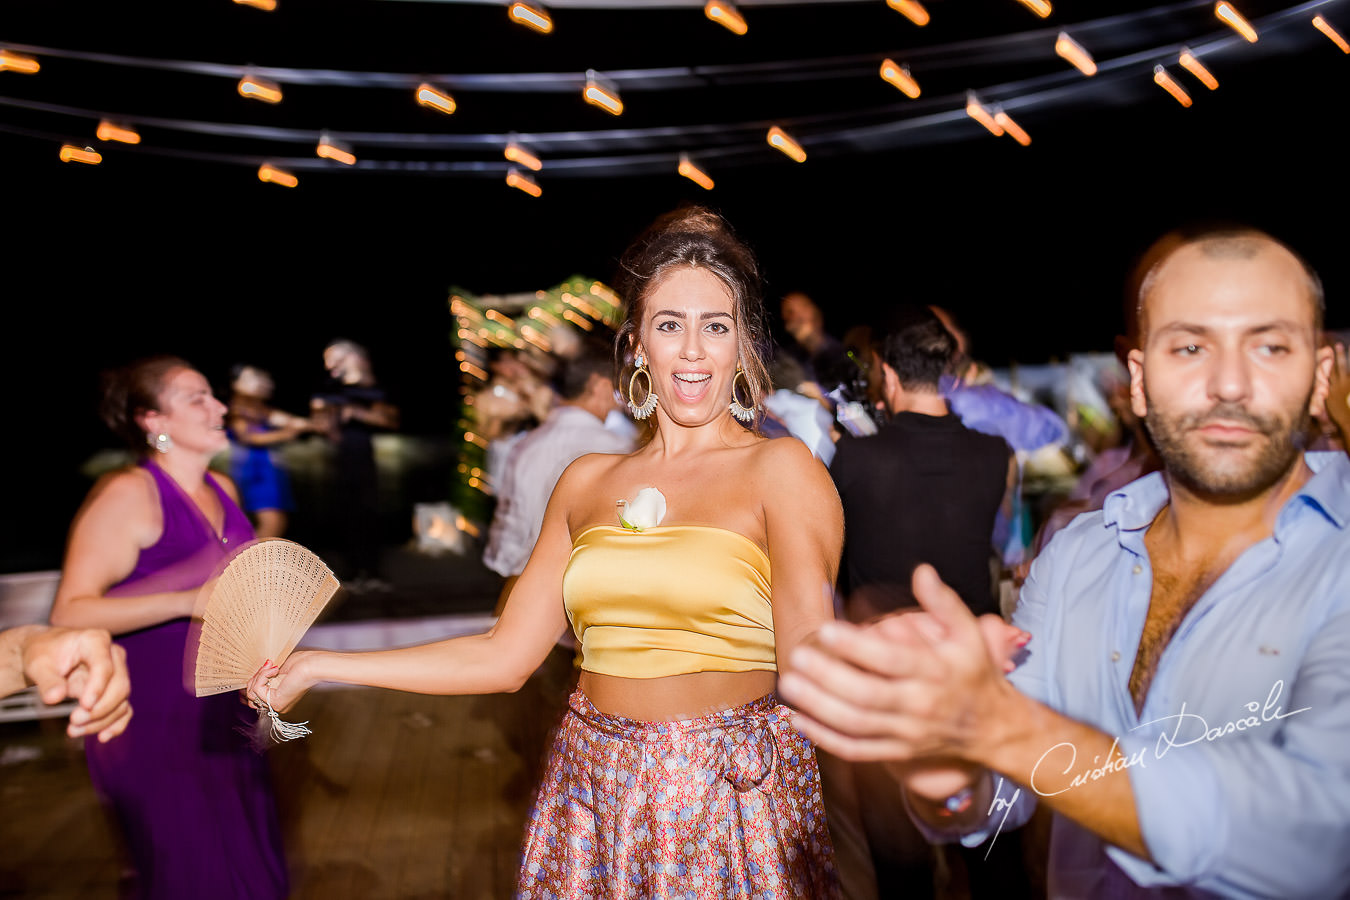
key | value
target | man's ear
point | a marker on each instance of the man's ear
(1325, 362)
(889, 380)
(1134, 361)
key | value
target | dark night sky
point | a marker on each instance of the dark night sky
(1029, 246)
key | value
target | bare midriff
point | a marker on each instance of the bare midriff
(675, 696)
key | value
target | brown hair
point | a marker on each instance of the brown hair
(698, 238)
(134, 389)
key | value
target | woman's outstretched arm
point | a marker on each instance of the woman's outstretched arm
(498, 660)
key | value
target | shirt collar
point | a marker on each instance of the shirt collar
(1329, 488)
(1135, 505)
(908, 419)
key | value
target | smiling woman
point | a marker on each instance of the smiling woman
(192, 797)
(675, 771)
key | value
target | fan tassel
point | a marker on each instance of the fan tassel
(286, 731)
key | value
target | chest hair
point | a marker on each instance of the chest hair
(1176, 588)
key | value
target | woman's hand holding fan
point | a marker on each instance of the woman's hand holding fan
(257, 610)
(277, 687)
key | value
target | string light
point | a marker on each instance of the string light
(1183, 60)
(601, 92)
(910, 9)
(725, 13)
(534, 337)
(432, 98)
(1326, 28)
(545, 317)
(1073, 51)
(582, 304)
(694, 173)
(1039, 7)
(87, 155)
(255, 88)
(1188, 62)
(778, 138)
(1167, 83)
(469, 368)
(107, 131)
(330, 149)
(531, 16)
(1005, 121)
(518, 154)
(976, 111)
(523, 182)
(264, 5)
(900, 77)
(1228, 14)
(18, 62)
(577, 319)
(272, 175)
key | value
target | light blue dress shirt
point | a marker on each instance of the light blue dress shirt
(1240, 760)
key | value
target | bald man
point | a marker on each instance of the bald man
(1183, 706)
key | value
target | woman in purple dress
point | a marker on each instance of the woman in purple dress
(192, 796)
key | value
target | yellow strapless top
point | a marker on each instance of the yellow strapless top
(669, 600)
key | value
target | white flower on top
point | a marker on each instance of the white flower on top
(645, 510)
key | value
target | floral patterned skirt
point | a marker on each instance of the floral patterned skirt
(725, 805)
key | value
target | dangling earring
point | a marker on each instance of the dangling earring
(644, 409)
(161, 442)
(741, 412)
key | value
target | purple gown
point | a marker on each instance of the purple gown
(193, 798)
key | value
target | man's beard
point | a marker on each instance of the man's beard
(1198, 468)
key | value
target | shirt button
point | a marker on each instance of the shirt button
(1115, 656)
(1138, 568)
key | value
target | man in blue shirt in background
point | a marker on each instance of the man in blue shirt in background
(1183, 706)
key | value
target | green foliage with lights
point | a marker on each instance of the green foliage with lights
(531, 323)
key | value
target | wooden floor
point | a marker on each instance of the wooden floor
(393, 796)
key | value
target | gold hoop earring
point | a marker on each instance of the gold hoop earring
(644, 409)
(742, 412)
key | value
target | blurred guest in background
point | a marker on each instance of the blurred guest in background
(81, 664)
(804, 322)
(798, 407)
(1134, 456)
(192, 796)
(1332, 422)
(516, 399)
(924, 489)
(573, 428)
(1028, 428)
(257, 430)
(349, 410)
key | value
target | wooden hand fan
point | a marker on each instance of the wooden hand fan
(258, 608)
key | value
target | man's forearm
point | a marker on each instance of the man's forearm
(1075, 769)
